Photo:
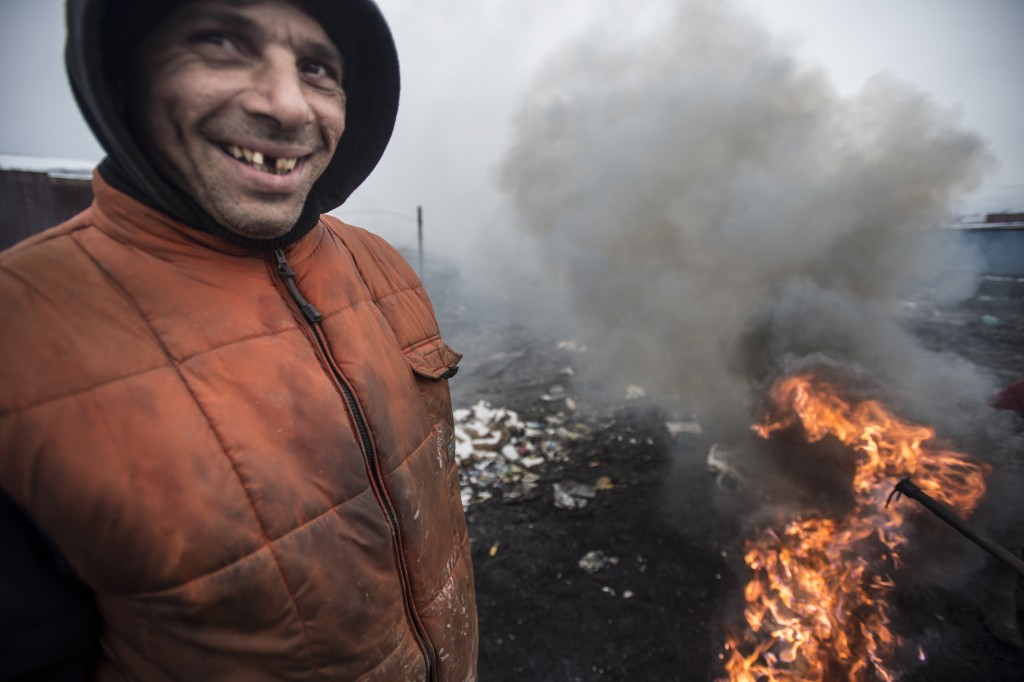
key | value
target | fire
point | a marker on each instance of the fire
(817, 606)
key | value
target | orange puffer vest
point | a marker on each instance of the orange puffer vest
(252, 492)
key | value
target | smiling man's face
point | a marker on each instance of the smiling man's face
(240, 104)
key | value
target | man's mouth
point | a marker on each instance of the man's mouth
(267, 164)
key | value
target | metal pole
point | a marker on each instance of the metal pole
(908, 488)
(419, 234)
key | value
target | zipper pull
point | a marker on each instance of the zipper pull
(284, 270)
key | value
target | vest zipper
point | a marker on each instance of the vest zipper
(313, 318)
(284, 270)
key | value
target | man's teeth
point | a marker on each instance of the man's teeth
(267, 164)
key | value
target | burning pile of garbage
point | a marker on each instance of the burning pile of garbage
(818, 605)
(500, 454)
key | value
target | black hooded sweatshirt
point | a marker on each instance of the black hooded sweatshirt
(104, 36)
(49, 626)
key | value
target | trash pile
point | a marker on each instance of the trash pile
(500, 454)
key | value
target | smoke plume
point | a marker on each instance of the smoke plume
(714, 209)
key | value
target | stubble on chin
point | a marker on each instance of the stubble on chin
(246, 217)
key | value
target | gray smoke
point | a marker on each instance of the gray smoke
(713, 209)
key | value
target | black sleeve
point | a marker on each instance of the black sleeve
(49, 626)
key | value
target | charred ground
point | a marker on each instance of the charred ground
(670, 538)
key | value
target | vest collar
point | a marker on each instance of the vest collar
(130, 221)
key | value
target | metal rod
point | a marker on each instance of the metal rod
(910, 489)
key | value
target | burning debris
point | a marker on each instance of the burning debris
(819, 605)
(680, 539)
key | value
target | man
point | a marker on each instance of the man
(227, 434)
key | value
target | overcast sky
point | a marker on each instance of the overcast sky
(468, 63)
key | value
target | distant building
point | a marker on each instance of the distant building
(37, 193)
(1005, 218)
(998, 239)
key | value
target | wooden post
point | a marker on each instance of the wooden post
(419, 234)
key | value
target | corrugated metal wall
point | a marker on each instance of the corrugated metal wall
(1002, 250)
(31, 202)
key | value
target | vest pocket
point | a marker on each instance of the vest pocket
(432, 363)
(433, 359)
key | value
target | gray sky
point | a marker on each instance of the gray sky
(467, 64)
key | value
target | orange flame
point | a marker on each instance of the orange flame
(817, 606)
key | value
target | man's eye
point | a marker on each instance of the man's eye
(321, 70)
(215, 39)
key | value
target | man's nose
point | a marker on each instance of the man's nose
(277, 92)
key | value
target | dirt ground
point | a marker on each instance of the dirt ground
(671, 572)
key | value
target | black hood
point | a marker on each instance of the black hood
(103, 30)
